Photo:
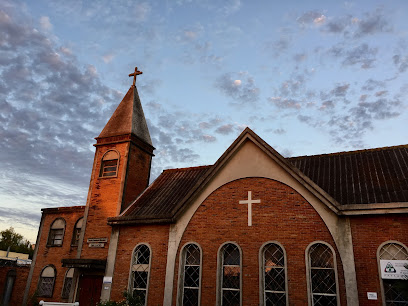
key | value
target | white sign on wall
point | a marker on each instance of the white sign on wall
(394, 269)
(372, 295)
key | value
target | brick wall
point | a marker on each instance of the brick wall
(283, 216)
(369, 232)
(156, 236)
(19, 283)
(52, 255)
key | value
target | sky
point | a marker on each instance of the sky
(309, 77)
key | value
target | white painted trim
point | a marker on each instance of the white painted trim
(262, 275)
(130, 285)
(308, 274)
(180, 283)
(220, 273)
(379, 266)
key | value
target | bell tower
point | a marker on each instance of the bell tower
(121, 171)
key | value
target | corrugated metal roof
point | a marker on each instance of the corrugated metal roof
(163, 195)
(357, 177)
(360, 177)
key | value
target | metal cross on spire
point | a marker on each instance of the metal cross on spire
(134, 74)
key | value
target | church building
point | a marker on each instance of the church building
(254, 228)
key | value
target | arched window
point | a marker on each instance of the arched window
(56, 235)
(46, 283)
(273, 272)
(229, 280)
(322, 278)
(139, 276)
(66, 289)
(190, 275)
(77, 232)
(387, 253)
(109, 165)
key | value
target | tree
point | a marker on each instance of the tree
(16, 242)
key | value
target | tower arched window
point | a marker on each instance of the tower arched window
(273, 271)
(387, 253)
(190, 275)
(56, 235)
(77, 232)
(322, 275)
(139, 275)
(46, 282)
(229, 272)
(109, 164)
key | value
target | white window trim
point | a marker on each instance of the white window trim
(261, 272)
(308, 274)
(219, 272)
(379, 265)
(180, 287)
(130, 283)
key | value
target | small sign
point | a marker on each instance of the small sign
(394, 269)
(107, 279)
(90, 240)
(96, 245)
(372, 295)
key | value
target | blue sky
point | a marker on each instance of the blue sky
(309, 77)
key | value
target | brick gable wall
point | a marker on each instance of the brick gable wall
(283, 216)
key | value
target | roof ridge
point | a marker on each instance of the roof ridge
(351, 152)
(188, 168)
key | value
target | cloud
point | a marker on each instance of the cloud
(362, 55)
(311, 17)
(283, 103)
(45, 23)
(340, 90)
(372, 84)
(141, 11)
(373, 23)
(401, 62)
(243, 92)
(107, 58)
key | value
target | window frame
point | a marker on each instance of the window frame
(74, 242)
(379, 265)
(51, 234)
(262, 269)
(308, 271)
(180, 287)
(101, 170)
(53, 282)
(130, 281)
(220, 265)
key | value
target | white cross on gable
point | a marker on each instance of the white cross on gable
(249, 202)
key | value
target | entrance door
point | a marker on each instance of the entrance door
(90, 287)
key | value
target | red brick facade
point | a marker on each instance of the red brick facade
(20, 281)
(369, 232)
(52, 255)
(283, 216)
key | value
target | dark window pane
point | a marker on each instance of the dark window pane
(230, 298)
(273, 256)
(275, 279)
(275, 299)
(324, 300)
(140, 279)
(46, 286)
(231, 277)
(231, 255)
(190, 297)
(140, 296)
(192, 255)
(142, 254)
(323, 281)
(56, 236)
(393, 291)
(321, 256)
(67, 287)
(192, 276)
